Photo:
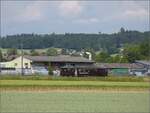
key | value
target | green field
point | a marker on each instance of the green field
(75, 84)
(74, 95)
(74, 102)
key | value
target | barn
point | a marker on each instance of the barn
(67, 65)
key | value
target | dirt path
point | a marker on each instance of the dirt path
(102, 90)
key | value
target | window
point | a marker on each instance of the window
(15, 64)
(26, 65)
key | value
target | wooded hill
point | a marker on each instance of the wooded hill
(99, 41)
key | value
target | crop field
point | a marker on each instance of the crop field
(74, 102)
(75, 84)
(74, 96)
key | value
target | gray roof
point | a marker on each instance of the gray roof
(59, 58)
(145, 62)
(82, 66)
(120, 65)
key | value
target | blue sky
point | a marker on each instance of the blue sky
(73, 16)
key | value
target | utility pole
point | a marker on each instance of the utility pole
(22, 72)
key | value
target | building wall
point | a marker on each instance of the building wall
(120, 71)
(16, 63)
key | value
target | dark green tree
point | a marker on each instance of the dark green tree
(132, 53)
(1, 56)
(145, 48)
(122, 30)
(78, 41)
(102, 57)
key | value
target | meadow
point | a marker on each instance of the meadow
(75, 102)
(74, 95)
(72, 84)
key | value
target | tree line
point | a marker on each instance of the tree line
(128, 53)
(121, 47)
(99, 41)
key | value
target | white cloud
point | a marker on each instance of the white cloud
(32, 12)
(87, 20)
(136, 13)
(70, 8)
(130, 14)
(94, 20)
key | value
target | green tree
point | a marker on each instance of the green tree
(124, 60)
(1, 56)
(102, 57)
(117, 59)
(145, 48)
(132, 53)
(34, 52)
(52, 52)
(12, 51)
(122, 30)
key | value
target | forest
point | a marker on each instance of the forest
(124, 46)
(76, 41)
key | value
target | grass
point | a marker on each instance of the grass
(108, 78)
(74, 95)
(74, 84)
(74, 102)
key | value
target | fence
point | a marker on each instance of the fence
(13, 71)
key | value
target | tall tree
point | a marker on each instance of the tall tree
(132, 53)
(1, 56)
(145, 48)
(122, 30)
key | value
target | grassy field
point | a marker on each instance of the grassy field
(74, 95)
(74, 102)
(73, 84)
(107, 78)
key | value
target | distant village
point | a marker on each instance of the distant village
(73, 64)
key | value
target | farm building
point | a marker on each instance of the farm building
(121, 68)
(32, 64)
(145, 70)
(90, 70)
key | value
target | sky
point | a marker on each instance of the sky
(45, 17)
